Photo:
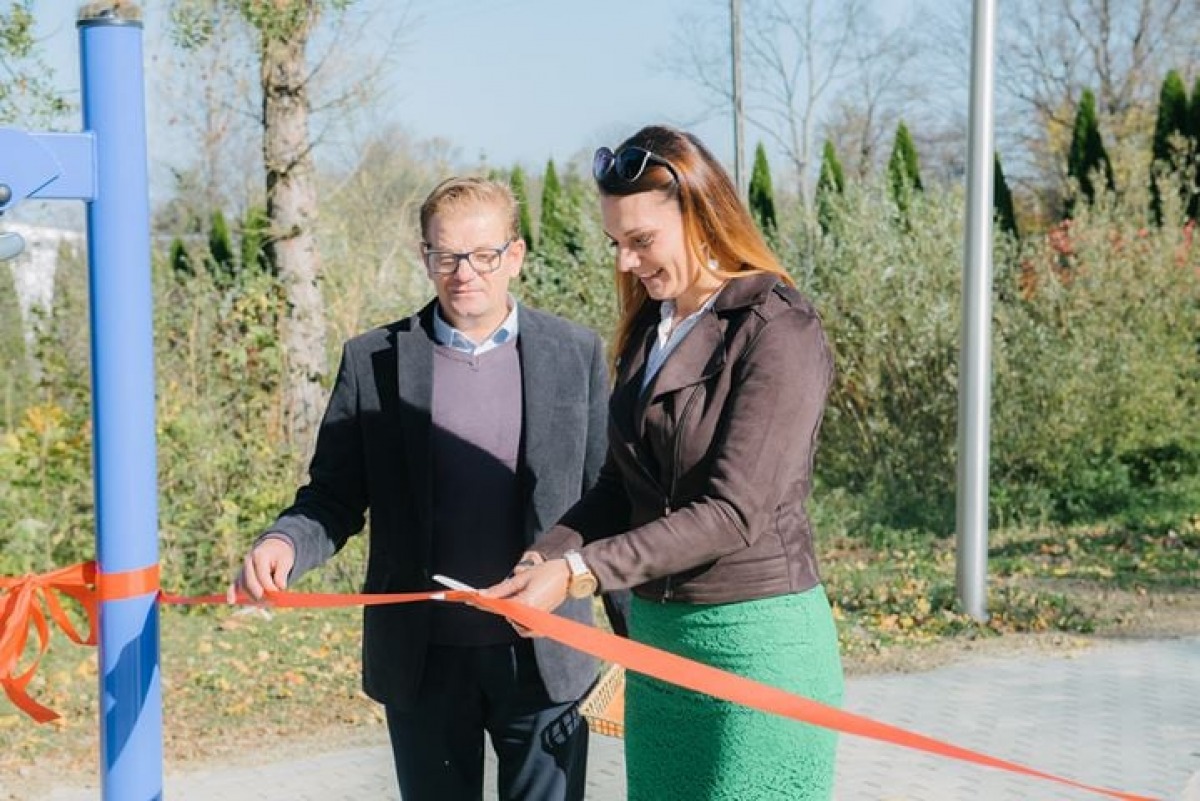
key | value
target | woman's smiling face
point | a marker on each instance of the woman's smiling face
(647, 234)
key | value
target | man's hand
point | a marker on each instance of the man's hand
(542, 586)
(265, 569)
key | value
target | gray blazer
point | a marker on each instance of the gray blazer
(373, 454)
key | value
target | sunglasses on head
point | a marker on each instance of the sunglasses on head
(629, 163)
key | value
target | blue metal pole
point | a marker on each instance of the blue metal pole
(118, 221)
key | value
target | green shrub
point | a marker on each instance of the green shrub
(888, 292)
(46, 503)
(1097, 382)
(575, 279)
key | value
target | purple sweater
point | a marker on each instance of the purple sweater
(475, 445)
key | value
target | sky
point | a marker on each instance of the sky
(539, 78)
(553, 77)
(506, 81)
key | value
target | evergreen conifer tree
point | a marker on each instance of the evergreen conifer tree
(255, 225)
(559, 224)
(1087, 159)
(762, 198)
(904, 173)
(1002, 201)
(1193, 133)
(220, 247)
(1172, 122)
(550, 224)
(181, 265)
(517, 181)
(1173, 112)
(830, 184)
(1193, 128)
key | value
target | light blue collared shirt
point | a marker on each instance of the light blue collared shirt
(451, 337)
(666, 340)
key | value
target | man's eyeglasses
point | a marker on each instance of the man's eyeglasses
(628, 164)
(482, 260)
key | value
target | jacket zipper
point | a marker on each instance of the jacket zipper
(687, 407)
(667, 591)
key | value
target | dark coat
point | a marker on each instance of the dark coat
(373, 454)
(702, 496)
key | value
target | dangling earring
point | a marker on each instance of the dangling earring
(714, 265)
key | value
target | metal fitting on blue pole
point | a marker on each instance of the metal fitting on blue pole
(11, 244)
(118, 217)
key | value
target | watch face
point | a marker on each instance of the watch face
(582, 583)
(583, 586)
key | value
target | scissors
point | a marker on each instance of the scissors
(453, 584)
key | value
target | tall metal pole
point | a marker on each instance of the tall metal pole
(118, 220)
(975, 360)
(735, 49)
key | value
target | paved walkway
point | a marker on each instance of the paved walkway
(1123, 715)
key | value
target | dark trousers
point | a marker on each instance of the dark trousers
(541, 747)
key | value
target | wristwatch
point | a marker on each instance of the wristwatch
(583, 582)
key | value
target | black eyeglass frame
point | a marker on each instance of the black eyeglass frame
(427, 252)
(604, 161)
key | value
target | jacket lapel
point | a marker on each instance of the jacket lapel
(539, 382)
(414, 363)
(697, 358)
(700, 355)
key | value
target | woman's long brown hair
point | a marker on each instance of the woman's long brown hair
(716, 225)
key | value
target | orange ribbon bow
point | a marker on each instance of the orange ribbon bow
(26, 602)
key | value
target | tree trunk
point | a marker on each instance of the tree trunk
(292, 209)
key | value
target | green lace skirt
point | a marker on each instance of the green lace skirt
(684, 745)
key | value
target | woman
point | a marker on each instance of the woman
(722, 371)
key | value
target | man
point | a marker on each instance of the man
(465, 430)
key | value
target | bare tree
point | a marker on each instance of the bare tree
(212, 91)
(1049, 51)
(369, 230)
(798, 56)
(206, 78)
(295, 44)
(284, 28)
(27, 91)
(880, 90)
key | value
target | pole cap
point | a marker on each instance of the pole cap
(110, 12)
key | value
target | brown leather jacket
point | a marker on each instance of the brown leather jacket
(702, 496)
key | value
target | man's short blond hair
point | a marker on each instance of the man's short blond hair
(455, 194)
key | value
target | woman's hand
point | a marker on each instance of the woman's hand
(542, 586)
(528, 559)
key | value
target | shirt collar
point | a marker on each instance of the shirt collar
(451, 337)
(666, 317)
